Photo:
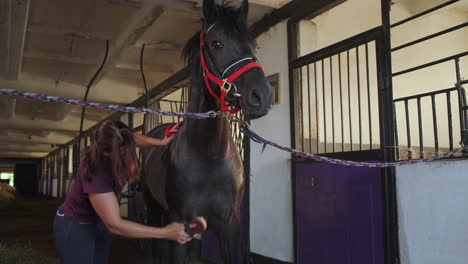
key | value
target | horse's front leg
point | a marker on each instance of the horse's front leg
(157, 217)
(227, 232)
(179, 253)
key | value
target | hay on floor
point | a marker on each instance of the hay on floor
(7, 192)
(24, 254)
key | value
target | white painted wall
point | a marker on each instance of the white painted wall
(271, 223)
(344, 21)
(432, 212)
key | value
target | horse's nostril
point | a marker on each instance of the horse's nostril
(255, 98)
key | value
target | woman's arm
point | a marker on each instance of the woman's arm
(107, 207)
(143, 141)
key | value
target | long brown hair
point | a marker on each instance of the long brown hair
(113, 140)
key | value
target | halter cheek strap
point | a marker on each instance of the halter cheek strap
(225, 83)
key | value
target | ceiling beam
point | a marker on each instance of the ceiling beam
(295, 10)
(270, 3)
(49, 57)
(64, 89)
(59, 31)
(43, 125)
(16, 139)
(22, 154)
(141, 22)
(187, 8)
(24, 132)
(17, 22)
(27, 148)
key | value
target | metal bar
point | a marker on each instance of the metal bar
(408, 129)
(426, 94)
(434, 123)
(349, 103)
(324, 107)
(369, 95)
(301, 108)
(172, 110)
(449, 119)
(464, 100)
(421, 141)
(463, 54)
(49, 177)
(443, 32)
(310, 111)
(174, 101)
(292, 38)
(460, 95)
(341, 102)
(316, 107)
(138, 128)
(332, 104)
(424, 13)
(464, 82)
(397, 143)
(359, 97)
(59, 173)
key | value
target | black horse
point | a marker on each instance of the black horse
(201, 172)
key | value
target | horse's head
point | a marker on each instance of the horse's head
(227, 55)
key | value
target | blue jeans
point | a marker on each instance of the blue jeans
(81, 243)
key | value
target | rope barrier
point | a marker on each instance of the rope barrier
(126, 109)
(258, 139)
(244, 126)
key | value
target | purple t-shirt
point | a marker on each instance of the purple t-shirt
(77, 206)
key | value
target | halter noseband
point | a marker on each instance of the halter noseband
(224, 83)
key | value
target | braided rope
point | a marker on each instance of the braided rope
(244, 129)
(258, 139)
(127, 109)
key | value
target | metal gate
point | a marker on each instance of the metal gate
(336, 111)
(336, 96)
(428, 117)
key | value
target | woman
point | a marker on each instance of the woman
(91, 209)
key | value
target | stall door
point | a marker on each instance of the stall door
(338, 214)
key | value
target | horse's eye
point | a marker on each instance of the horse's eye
(217, 44)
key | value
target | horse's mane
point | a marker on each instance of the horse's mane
(225, 14)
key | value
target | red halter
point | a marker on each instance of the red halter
(225, 84)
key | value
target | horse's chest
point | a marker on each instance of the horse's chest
(208, 176)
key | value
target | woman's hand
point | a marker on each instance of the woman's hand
(142, 141)
(176, 232)
(167, 140)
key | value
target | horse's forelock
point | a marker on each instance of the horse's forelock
(226, 14)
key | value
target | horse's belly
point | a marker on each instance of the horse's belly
(205, 199)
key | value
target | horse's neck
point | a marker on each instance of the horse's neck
(212, 134)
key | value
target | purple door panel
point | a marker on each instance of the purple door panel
(339, 214)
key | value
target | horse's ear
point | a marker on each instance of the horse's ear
(209, 10)
(244, 11)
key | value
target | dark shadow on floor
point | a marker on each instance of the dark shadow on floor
(30, 220)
